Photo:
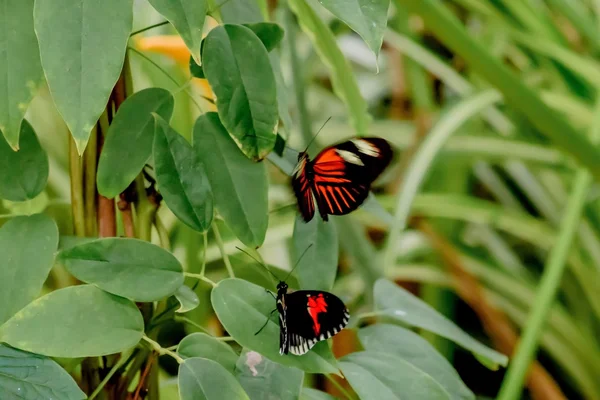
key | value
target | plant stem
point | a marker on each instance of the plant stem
(161, 350)
(194, 324)
(77, 203)
(145, 211)
(90, 164)
(339, 387)
(107, 223)
(200, 277)
(124, 358)
(205, 241)
(148, 28)
(221, 247)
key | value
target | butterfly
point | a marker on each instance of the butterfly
(338, 180)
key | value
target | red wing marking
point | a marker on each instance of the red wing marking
(316, 306)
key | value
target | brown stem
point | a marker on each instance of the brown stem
(124, 204)
(143, 384)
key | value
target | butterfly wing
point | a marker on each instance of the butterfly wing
(312, 316)
(302, 188)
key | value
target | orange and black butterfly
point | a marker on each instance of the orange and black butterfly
(338, 180)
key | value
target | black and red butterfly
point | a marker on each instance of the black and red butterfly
(338, 180)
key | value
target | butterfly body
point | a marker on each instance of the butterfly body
(338, 180)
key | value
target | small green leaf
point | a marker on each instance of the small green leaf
(181, 178)
(243, 308)
(25, 172)
(202, 379)
(32, 377)
(130, 268)
(27, 246)
(403, 306)
(77, 321)
(239, 185)
(187, 16)
(203, 345)
(262, 378)
(239, 71)
(383, 376)
(196, 70)
(82, 47)
(128, 143)
(412, 348)
(313, 394)
(270, 34)
(316, 242)
(188, 300)
(20, 69)
(368, 18)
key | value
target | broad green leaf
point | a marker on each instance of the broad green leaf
(316, 253)
(28, 207)
(342, 76)
(314, 394)
(243, 308)
(383, 376)
(131, 268)
(367, 17)
(20, 68)
(181, 178)
(82, 47)
(240, 11)
(23, 173)
(32, 377)
(202, 379)
(239, 71)
(270, 34)
(262, 378)
(239, 185)
(188, 300)
(187, 16)
(412, 348)
(128, 143)
(205, 346)
(403, 306)
(77, 321)
(27, 247)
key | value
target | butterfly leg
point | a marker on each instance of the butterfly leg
(266, 322)
(271, 293)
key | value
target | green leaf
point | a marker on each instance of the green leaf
(403, 306)
(253, 272)
(128, 143)
(316, 242)
(368, 18)
(32, 377)
(270, 34)
(77, 321)
(202, 379)
(412, 348)
(239, 71)
(181, 179)
(188, 300)
(82, 47)
(196, 70)
(243, 308)
(313, 394)
(203, 345)
(262, 378)
(383, 376)
(20, 67)
(25, 172)
(187, 16)
(27, 246)
(240, 11)
(342, 76)
(131, 268)
(239, 185)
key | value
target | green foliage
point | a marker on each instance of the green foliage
(202, 379)
(206, 346)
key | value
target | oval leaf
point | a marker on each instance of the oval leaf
(316, 253)
(412, 348)
(202, 379)
(78, 321)
(188, 300)
(82, 47)
(382, 376)
(262, 378)
(187, 16)
(31, 377)
(181, 178)
(20, 69)
(239, 185)
(243, 308)
(270, 34)
(130, 268)
(237, 66)
(128, 143)
(24, 271)
(205, 346)
(403, 306)
(25, 172)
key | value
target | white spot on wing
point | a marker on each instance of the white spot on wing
(350, 157)
(366, 148)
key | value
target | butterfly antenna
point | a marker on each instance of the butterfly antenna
(317, 134)
(298, 262)
(260, 263)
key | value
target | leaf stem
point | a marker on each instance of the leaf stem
(90, 162)
(124, 358)
(148, 28)
(181, 318)
(200, 277)
(161, 350)
(221, 246)
(205, 241)
(77, 202)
